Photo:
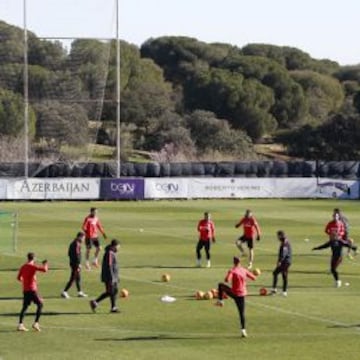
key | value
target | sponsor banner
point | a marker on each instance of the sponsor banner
(3, 187)
(294, 187)
(116, 189)
(336, 188)
(56, 188)
(166, 188)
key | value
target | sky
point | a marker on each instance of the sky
(323, 28)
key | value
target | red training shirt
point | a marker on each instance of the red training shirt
(206, 229)
(238, 275)
(250, 227)
(27, 275)
(336, 227)
(91, 226)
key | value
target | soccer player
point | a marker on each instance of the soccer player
(109, 276)
(335, 226)
(336, 244)
(206, 229)
(251, 229)
(74, 253)
(237, 275)
(283, 262)
(92, 226)
(346, 223)
(27, 275)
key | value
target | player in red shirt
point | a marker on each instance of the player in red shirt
(27, 275)
(238, 276)
(206, 229)
(336, 226)
(251, 230)
(92, 226)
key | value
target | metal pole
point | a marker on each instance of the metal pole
(118, 91)
(26, 97)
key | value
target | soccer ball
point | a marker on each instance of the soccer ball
(215, 293)
(208, 295)
(263, 291)
(199, 295)
(124, 293)
(257, 272)
(165, 277)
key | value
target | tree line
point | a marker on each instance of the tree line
(180, 97)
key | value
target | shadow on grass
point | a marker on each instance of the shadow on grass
(10, 298)
(167, 337)
(343, 326)
(46, 313)
(158, 267)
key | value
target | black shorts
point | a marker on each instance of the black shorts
(32, 297)
(90, 242)
(248, 241)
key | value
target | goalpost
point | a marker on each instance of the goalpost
(8, 232)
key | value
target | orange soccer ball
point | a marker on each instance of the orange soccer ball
(199, 295)
(215, 293)
(208, 295)
(124, 293)
(165, 277)
(263, 291)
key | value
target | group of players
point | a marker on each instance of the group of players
(337, 230)
(237, 276)
(91, 228)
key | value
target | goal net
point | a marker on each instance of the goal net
(8, 232)
(58, 99)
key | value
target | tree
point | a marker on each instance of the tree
(12, 114)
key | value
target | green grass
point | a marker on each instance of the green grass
(315, 320)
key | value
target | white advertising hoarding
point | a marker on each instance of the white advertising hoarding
(166, 188)
(57, 188)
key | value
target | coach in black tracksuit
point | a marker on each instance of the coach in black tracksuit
(74, 253)
(109, 276)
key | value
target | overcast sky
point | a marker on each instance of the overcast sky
(323, 28)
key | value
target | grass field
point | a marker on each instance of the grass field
(314, 321)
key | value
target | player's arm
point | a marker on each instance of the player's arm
(44, 267)
(101, 229)
(327, 229)
(250, 275)
(257, 228)
(228, 277)
(19, 275)
(241, 221)
(212, 225)
(84, 225)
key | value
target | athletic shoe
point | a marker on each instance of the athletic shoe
(284, 293)
(244, 333)
(95, 263)
(273, 292)
(87, 266)
(36, 326)
(114, 310)
(93, 305)
(21, 327)
(82, 294)
(338, 283)
(65, 295)
(250, 265)
(208, 264)
(219, 303)
(350, 257)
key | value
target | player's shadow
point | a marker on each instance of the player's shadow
(46, 313)
(157, 267)
(166, 338)
(344, 326)
(10, 298)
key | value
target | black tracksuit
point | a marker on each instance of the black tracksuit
(74, 254)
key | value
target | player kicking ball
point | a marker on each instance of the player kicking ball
(238, 276)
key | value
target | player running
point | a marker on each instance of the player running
(251, 230)
(206, 229)
(92, 226)
(283, 262)
(336, 244)
(109, 276)
(335, 226)
(27, 275)
(74, 253)
(346, 236)
(238, 276)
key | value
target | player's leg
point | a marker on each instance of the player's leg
(240, 304)
(239, 244)
(276, 273)
(207, 252)
(26, 303)
(94, 303)
(199, 246)
(39, 306)
(97, 246)
(87, 253)
(113, 297)
(335, 262)
(250, 243)
(285, 273)
(69, 284)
